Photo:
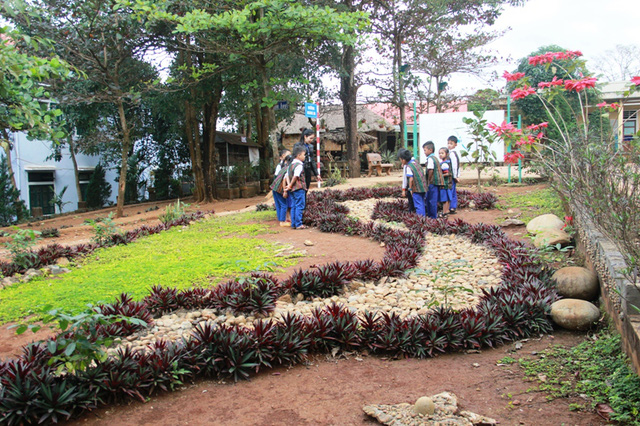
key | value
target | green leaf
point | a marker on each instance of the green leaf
(51, 346)
(70, 349)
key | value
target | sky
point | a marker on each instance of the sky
(591, 26)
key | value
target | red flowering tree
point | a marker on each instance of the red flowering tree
(577, 144)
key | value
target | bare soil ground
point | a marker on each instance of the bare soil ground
(332, 391)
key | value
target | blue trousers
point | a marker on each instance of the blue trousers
(281, 206)
(431, 200)
(418, 202)
(454, 196)
(297, 207)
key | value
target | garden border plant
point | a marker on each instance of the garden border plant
(31, 390)
(49, 254)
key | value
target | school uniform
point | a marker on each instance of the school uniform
(455, 175)
(431, 198)
(444, 191)
(297, 192)
(405, 186)
(277, 187)
(417, 185)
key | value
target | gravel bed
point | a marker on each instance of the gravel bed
(452, 272)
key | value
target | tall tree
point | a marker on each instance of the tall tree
(260, 36)
(416, 35)
(25, 101)
(618, 64)
(107, 43)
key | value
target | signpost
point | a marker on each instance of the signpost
(312, 110)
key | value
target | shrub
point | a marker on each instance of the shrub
(50, 233)
(98, 190)
(173, 212)
(20, 247)
(105, 230)
(12, 208)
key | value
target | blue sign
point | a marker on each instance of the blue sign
(282, 105)
(310, 110)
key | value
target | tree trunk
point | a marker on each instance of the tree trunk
(6, 145)
(210, 166)
(195, 149)
(348, 96)
(126, 143)
(72, 153)
(401, 104)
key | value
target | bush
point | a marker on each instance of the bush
(98, 190)
(12, 208)
(173, 212)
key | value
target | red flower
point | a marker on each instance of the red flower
(512, 157)
(513, 77)
(554, 82)
(636, 80)
(522, 93)
(534, 127)
(602, 105)
(614, 106)
(579, 85)
(504, 129)
(548, 57)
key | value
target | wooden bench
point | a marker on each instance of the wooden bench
(375, 163)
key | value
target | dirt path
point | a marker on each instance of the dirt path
(332, 391)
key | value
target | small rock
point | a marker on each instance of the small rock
(285, 298)
(62, 261)
(574, 314)
(424, 406)
(308, 243)
(512, 222)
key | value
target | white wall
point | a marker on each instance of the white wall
(33, 153)
(438, 127)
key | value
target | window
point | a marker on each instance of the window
(41, 190)
(83, 179)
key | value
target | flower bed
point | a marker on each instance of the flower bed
(48, 255)
(32, 391)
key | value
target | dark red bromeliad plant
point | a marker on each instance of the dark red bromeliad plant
(33, 390)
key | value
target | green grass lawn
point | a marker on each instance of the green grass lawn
(533, 203)
(193, 256)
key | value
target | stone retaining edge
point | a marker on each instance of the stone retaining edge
(617, 292)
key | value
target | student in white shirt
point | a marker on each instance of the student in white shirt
(452, 143)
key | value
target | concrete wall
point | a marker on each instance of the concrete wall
(32, 155)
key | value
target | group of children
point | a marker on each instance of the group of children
(436, 186)
(289, 187)
(424, 190)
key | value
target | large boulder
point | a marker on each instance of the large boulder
(544, 222)
(550, 237)
(574, 314)
(575, 282)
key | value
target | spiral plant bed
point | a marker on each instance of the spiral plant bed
(251, 323)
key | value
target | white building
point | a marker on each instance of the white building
(38, 175)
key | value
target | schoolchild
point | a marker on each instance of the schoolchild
(434, 179)
(413, 179)
(444, 191)
(452, 144)
(297, 187)
(280, 194)
(409, 196)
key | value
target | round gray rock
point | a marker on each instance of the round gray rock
(575, 282)
(544, 222)
(574, 314)
(425, 406)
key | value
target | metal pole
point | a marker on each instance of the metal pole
(519, 159)
(509, 146)
(228, 171)
(318, 142)
(415, 131)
